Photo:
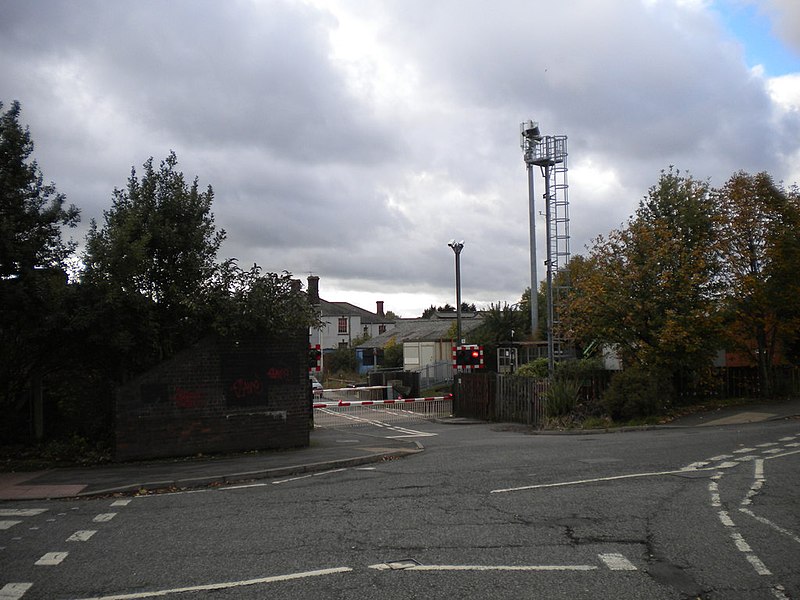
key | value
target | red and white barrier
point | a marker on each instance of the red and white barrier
(380, 402)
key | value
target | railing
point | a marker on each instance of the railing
(435, 373)
(366, 412)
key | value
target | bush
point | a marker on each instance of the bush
(536, 368)
(635, 393)
(561, 396)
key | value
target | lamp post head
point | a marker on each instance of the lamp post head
(456, 246)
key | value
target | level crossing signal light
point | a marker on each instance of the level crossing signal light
(314, 358)
(468, 357)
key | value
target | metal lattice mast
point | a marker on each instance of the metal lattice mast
(550, 155)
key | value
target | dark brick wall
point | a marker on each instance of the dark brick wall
(218, 396)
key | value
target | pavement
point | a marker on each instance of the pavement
(329, 449)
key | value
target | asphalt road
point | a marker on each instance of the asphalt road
(709, 512)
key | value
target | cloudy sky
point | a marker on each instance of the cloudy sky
(353, 139)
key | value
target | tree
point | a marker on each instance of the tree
(761, 257)
(257, 303)
(650, 289)
(154, 260)
(31, 213)
(33, 281)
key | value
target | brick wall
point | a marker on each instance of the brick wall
(218, 396)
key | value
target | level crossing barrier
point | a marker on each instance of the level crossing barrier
(355, 412)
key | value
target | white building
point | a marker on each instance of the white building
(344, 322)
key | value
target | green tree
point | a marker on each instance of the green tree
(32, 213)
(154, 260)
(33, 282)
(762, 257)
(257, 303)
(651, 288)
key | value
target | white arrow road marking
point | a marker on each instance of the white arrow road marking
(51, 558)
(8, 525)
(14, 591)
(224, 586)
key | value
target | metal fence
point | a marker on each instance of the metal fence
(435, 374)
(494, 397)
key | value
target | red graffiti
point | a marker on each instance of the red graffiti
(246, 387)
(188, 398)
(276, 373)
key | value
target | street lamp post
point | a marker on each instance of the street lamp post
(457, 247)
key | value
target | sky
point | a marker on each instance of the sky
(352, 140)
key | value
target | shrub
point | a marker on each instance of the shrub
(635, 393)
(536, 368)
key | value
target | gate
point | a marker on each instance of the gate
(492, 397)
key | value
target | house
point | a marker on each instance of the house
(344, 322)
(426, 342)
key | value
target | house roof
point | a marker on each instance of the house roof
(345, 309)
(434, 329)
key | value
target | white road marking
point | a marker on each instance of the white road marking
(727, 465)
(720, 457)
(725, 518)
(8, 525)
(788, 453)
(743, 450)
(414, 567)
(14, 591)
(794, 445)
(769, 523)
(243, 486)
(767, 445)
(747, 458)
(788, 438)
(223, 586)
(759, 566)
(51, 558)
(696, 465)
(21, 512)
(741, 544)
(713, 487)
(773, 451)
(593, 480)
(82, 535)
(104, 517)
(309, 475)
(616, 562)
(124, 502)
(780, 592)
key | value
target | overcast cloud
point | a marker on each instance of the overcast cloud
(353, 139)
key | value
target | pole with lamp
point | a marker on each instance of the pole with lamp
(457, 247)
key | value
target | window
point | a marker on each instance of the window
(342, 324)
(381, 328)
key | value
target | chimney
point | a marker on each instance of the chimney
(379, 303)
(313, 290)
(296, 286)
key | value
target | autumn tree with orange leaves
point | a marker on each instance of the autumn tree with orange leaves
(760, 237)
(650, 289)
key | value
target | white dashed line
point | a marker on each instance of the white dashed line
(82, 536)
(51, 558)
(14, 591)
(769, 523)
(124, 502)
(21, 512)
(743, 450)
(759, 566)
(104, 517)
(617, 562)
(720, 457)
